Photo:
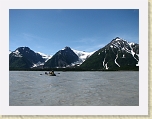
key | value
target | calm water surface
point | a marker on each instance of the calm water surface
(29, 88)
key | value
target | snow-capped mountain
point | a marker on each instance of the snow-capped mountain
(24, 57)
(63, 58)
(118, 54)
(129, 47)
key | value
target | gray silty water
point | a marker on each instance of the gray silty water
(29, 88)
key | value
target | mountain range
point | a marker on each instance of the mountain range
(21, 58)
(119, 54)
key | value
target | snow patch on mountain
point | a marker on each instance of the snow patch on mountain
(10, 51)
(116, 61)
(117, 39)
(83, 55)
(44, 56)
(16, 53)
(137, 64)
(37, 64)
(106, 66)
(132, 52)
(103, 62)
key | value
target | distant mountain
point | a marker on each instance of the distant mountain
(118, 54)
(63, 58)
(24, 57)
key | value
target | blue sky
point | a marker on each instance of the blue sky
(48, 31)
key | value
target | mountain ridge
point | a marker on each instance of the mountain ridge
(24, 57)
(62, 58)
(117, 54)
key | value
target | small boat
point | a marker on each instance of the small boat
(50, 74)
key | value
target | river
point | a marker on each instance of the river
(94, 88)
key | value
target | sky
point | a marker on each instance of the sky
(50, 30)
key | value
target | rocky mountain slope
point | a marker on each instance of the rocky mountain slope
(63, 58)
(118, 54)
(24, 57)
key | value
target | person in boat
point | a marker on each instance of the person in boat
(51, 72)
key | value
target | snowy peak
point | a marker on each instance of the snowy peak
(117, 39)
(23, 49)
(118, 42)
(19, 52)
(125, 47)
(24, 57)
(66, 48)
(121, 44)
(63, 58)
(118, 54)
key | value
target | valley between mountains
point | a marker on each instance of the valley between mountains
(119, 54)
